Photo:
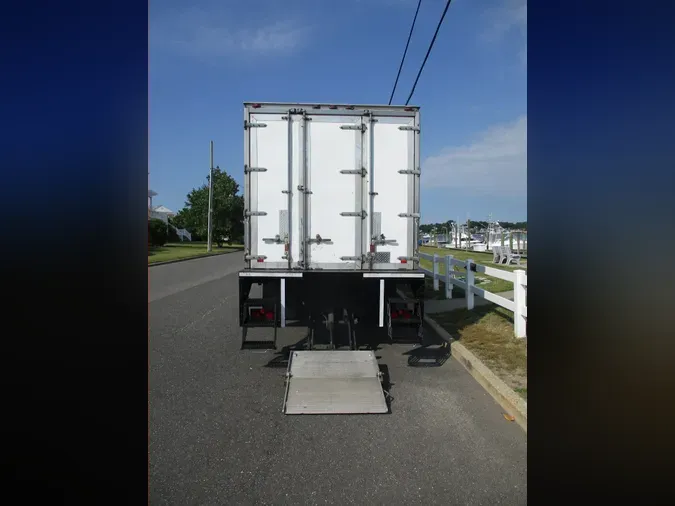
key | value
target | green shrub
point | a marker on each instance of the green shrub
(173, 235)
(157, 232)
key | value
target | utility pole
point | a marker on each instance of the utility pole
(210, 220)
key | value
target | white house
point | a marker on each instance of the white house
(164, 213)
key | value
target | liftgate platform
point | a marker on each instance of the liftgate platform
(333, 382)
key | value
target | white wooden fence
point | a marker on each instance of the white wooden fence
(518, 277)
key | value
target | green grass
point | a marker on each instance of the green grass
(179, 251)
(495, 285)
(487, 331)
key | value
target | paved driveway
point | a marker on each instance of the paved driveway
(217, 434)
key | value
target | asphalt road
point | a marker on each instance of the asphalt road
(217, 434)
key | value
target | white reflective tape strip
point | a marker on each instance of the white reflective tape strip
(260, 273)
(283, 302)
(381, 302)
(403, 274)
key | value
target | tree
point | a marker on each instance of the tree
(177, 221)
(157, 233)
(519, 225)
(228, 210)
(439, 227)
(172, 235)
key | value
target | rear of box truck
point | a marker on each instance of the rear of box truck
(331, 188)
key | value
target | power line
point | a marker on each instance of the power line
(428, 52)
(400, 67)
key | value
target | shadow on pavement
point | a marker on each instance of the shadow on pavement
(426, 356)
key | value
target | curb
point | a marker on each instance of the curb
(194, 257)
(509, 400)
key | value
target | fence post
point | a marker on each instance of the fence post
(435, 271)
(519, 236)
(469, 284)
(448, 277)
(519, 300)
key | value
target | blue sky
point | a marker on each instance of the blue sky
(207, 57)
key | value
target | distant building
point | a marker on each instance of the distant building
(162, 213)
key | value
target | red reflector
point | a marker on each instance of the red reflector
(404, 261)
(255, 106)
(261, 260)
(316, 107)
(286, 247)
(372, 248)
(394, 315)
(332, 106)
(408, 109)
(270, 315)
(350, 107)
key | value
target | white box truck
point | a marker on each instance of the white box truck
(332, 208)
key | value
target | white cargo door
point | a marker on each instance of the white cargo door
(334, 209)
(391, 180)
(274, 146)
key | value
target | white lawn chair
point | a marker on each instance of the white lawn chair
(511, 257)
(496, 254)
(502, 254)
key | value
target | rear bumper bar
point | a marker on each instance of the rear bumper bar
(268, 273)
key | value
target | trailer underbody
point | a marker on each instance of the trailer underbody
(333, 374)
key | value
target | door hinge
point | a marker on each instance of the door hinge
(409, 215)
(317, 240)
(274, 240)
(355, 214)
(361, 127)
(255, 213)
(381, 240)
(355, 172)
(303, 190)
(248, 169)
(248, 124)
(415, 172)
(369, 115)
(409, 128)
(353, 258)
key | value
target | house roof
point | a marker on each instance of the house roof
(163, 209)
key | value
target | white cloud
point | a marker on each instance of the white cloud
(216, 35)
(509, 16)
(495, 164)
